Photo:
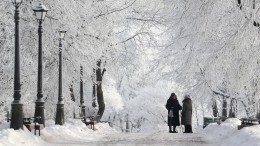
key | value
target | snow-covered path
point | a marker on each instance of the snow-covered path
(141, 139)
(75, 133)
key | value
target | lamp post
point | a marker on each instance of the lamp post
(17, 106)
(40, 13)
(60, 105)
(82, 114)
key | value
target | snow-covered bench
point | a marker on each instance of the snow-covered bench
(90, 122)
(208, 120)
(30, 126)
(246, 122)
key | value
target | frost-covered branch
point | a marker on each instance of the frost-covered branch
(129, 4)
(135, 35)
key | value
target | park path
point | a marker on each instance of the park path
(131, 139)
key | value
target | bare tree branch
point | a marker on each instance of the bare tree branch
(134, 36)
(117, 10)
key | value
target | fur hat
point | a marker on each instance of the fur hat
(187, 96)
(173, 95)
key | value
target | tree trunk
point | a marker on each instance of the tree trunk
(100, 97)
(73, 99)
(232, 109)
(72, 93)
(215, 108)
(94, 89)
(224, 108)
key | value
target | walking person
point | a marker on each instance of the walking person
(186, 114)
(173, 108)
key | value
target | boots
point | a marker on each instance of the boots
(174, 129)
(170, 129)
(188, 129)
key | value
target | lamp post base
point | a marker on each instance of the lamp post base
(39, 112)
(16, 116)
(59, 114)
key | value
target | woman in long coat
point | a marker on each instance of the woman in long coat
(186, 114)
(173, 108)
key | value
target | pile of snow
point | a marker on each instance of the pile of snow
(10, 137)
(226, 134)
(72, 130)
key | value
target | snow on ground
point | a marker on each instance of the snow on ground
(74, 133)
(226, 134)
(53, 134)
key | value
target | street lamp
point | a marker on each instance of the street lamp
(17, 106)
(40, 13)
(82, 114)
(60, 105)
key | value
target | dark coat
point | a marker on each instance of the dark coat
(186, 113)
(175, 106)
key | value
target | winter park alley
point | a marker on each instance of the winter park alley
(129, 72)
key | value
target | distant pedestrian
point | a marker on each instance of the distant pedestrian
(186, 114)
(173, 108)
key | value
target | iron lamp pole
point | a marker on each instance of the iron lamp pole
(40, 13)
(17, 106)
(60, 105)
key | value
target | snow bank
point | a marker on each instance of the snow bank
(10, 137)
(102, 128)
(73, 129)
(226, 134)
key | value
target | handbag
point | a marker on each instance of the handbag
(170, 113)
